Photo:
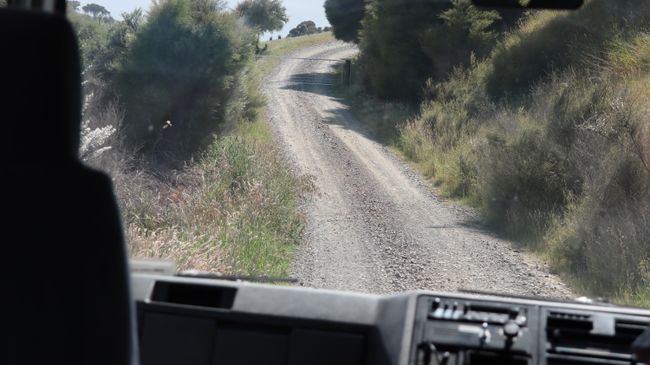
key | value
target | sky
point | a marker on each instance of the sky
(298, 10)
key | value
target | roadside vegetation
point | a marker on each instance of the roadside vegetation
(174, 114)
(539, 120)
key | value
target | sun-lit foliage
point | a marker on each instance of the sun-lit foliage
(263, 15)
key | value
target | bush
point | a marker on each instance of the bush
(404, 46)
(345, 17)
(523, 178)
(103, 45)
(304, 28)
(551, 42)
(235, 211)
(180, 74)
(466, 33)
(445, 137)
(391, 61)
(603, 237)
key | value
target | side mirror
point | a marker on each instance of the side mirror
(531, 4)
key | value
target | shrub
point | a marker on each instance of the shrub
(445, 137)
(404, 46)
(304, 28)
(235, 211)
(392, 62)
(602, 239)
(524, 178)
(551, 42)
(345, 17)
(180, 74)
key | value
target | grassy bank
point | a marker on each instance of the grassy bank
(549, 140)
(234, 209)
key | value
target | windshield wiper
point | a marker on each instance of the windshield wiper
(217, 276)
(584, 300)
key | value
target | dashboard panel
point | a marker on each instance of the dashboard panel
(200, 321)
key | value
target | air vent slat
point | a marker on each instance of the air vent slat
(591, 338)
(630, 329)
(208, 296)
(569, 321)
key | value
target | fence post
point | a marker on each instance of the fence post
(346, 75)
(348, 72)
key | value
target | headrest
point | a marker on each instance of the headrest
(40, 89)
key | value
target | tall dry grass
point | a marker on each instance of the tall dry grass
(233, 210)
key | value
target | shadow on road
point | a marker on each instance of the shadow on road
(321, 83)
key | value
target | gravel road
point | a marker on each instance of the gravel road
(375, 225)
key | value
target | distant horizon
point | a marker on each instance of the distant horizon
(297, 10)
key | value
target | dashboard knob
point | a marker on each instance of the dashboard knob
(511, 329)
(484, 334)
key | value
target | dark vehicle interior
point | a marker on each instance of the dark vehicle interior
(74, 301)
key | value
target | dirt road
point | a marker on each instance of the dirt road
(375, 226)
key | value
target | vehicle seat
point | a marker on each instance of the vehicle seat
(63, 271)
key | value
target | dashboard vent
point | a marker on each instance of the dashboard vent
(574, 338)
(569, 321)
(631, 328)
(209, 296)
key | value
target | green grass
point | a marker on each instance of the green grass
(234, 211)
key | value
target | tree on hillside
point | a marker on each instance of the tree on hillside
(391, 63)
(345, 16)
(304, 28)
(74, 5)
(263, 15)
(97, 11)
(404, 46)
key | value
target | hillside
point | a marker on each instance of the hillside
(547, 135)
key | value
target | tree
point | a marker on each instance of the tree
(263, 15)
(134, 19)
(392, 64)
(74, 5)
(345, 16)
(97, 11)
(304, 28)
(404, 46)
(466, 31)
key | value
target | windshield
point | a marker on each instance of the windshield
(378, 145)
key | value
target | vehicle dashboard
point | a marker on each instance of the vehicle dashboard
(202, 321)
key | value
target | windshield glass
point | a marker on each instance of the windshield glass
(378, 145)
